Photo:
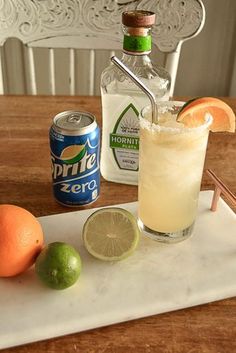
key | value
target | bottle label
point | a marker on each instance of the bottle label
(124, 140)
(137, 43)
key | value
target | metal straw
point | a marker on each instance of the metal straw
(140, 84)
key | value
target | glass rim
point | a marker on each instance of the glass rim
(182, 129)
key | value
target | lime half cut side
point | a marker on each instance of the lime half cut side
(111, 234)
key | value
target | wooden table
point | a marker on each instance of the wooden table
(26, 181)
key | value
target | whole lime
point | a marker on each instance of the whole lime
(58, 265)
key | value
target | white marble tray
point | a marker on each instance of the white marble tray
(156, 279)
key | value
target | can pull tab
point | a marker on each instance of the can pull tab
(74, 118)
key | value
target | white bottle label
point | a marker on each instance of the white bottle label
(124, 140)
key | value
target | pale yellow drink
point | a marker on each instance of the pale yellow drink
(171, 159)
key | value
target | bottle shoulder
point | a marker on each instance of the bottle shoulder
(155, 78)
(141, 66)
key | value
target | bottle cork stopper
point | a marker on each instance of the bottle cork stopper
(138, 18)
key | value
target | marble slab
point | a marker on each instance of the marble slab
(156, 279)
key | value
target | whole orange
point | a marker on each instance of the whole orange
(21, 240)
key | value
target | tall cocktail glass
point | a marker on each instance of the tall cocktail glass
(171, 160)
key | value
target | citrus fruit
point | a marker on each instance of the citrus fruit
(58, 265)
(111, 234)
(194, 111)
(21, 240)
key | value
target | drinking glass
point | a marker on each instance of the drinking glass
(171, 160)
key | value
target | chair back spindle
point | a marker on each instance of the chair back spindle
(93, 25)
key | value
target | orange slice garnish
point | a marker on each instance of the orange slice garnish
(194, 111)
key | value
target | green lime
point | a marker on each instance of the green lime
(58, 265)
(111, 234)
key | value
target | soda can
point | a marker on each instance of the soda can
(75, 150)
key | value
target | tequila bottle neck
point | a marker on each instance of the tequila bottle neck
(136, 60)
(137, 41)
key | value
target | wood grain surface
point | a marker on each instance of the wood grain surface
(25, 178)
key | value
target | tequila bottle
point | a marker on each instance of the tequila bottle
(122, 100)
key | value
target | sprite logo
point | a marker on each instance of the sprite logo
(74, 160)
(73, 154)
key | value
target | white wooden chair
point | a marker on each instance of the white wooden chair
(92, 25)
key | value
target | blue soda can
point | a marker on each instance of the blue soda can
(75, 149)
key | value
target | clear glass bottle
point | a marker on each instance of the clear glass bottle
(122, 100)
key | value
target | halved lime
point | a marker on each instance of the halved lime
(111, 234)
(58, 265)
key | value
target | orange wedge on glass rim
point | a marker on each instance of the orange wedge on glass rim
(194, 111)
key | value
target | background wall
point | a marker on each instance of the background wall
(207, 63)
